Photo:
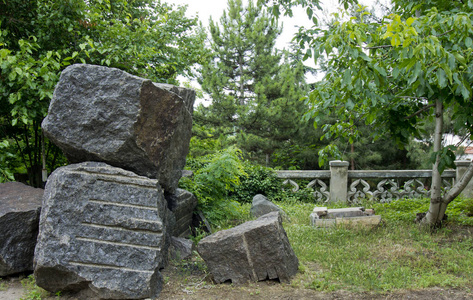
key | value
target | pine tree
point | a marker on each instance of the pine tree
(255, 88)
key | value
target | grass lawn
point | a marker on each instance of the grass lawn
(398, 254)
(392, 258)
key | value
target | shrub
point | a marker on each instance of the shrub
(303, 195)
(461, 211)
(257, 180)
(215, 176)
(402, 209)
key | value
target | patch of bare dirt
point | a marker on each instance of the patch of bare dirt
(11, 289)
(187, 282)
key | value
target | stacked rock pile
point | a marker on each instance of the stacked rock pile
(106, 224)
(110, 220)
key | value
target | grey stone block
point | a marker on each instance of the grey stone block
(180, 248)
(107, 115)
(319, 212)
(20, 207)
(102, 228)
(182, 204)
(359, 221)
(322, 223)
(253, 251)
(322, 217)
(261, 206)
(345, 212)
(188, 95)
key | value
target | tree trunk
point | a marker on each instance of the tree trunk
(242, 82)
(460, 185)
(433, 216)
(352, 162)
(438, 204)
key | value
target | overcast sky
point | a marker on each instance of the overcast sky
(214, 8)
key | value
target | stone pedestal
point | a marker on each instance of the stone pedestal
(321, 217)
(338, 181)
(462, 165)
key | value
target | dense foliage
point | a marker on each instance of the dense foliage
(39, 38)
(223, 181)
(215, 176)
(389, 72)
(258, 180)
(393, 72)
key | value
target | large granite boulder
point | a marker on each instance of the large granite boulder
(182, 204)
(253, 251)
(20, 207)
(107, 115)
(261, 206)
(102, 228)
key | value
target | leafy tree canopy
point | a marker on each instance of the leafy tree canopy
(393, 72)
(39, 38)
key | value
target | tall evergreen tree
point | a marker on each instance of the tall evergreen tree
(255, 88)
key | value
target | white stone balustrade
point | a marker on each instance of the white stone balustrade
(342, 185)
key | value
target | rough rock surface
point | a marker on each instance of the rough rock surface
(20, 207)
(200, 223)
(107, 115)
(253, 251)
(102, 228)
(261, 206)
(180, 248)
(182, 204)
(188, 95)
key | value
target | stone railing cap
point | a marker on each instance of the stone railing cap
(462, 163)
(339, 163)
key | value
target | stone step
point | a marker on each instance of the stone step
(323, 212)
(370, 221)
